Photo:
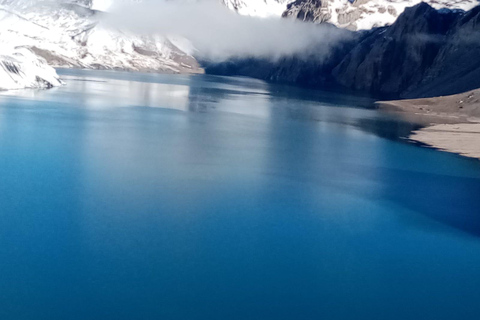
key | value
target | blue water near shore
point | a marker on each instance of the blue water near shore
(136, 196)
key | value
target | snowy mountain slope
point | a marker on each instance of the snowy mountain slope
(70, 34)
(21, 68)
(350, 14)
(258, 8)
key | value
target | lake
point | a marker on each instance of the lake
(142, 196)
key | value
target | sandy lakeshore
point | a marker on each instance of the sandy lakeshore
(451, 123)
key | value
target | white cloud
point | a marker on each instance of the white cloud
(218, 33)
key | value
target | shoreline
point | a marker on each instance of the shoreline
(449, 123)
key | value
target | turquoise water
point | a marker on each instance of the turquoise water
(132, 196)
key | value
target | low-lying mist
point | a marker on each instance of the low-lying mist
(218, 34)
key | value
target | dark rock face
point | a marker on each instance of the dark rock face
(456, 67)
(394, 59)
(425, 53)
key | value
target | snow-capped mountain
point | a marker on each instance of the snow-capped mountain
(349, 14)
(70, 34)
(21, 68)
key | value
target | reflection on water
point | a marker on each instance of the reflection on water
(133, 196)
(93, 93)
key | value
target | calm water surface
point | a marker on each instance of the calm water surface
(130, 196)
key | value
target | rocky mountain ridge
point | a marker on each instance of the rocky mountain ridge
(362, 14)
(348, 14)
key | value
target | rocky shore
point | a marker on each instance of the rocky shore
(451, 123)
